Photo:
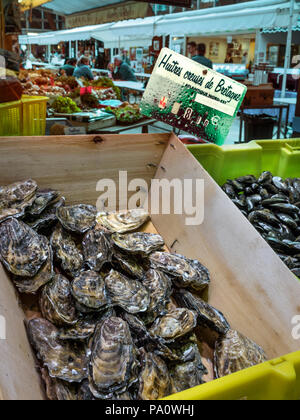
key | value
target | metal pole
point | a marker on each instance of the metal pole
(287, 60)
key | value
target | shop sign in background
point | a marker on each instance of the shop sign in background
(192, 97)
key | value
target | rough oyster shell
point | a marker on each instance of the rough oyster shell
(66, 251)
(15, 198)
(44, 198)
(56, 302)
(160, 289)
(22, 250)
(79, 218)
(128, 264)
(58, 390)
(154, 379)
(130, 295)
(64, 361)
(96, 249)
(235, 352)
(44, 276)
(138, 243)
(174, 324)
(123, 221)
(187, 375)
(84, 393)
(207, 315)
(47, 218)
(89, 290)
(188, 273)
(113, 364)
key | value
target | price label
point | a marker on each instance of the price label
(75, 131)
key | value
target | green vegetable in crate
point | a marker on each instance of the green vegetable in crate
(128, 114)
(65, 106)
(89, 100)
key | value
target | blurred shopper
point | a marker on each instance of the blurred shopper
(125, 57)
(228, 59)
(83, 69)
(200, 57)
(69, 67)
(123, 71)
(192, 49)
(245, 58)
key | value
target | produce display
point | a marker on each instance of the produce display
(105, 82)
(118, 316)
(65, 106)
(272, 205)
(127, 114)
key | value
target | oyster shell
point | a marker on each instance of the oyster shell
(64, 361)
(130, 295)
(130, 265)
(138, 243)
(113, 364)
(56, 302)
(123, 221)
(188, 273)
(84, 393)
(207, 315)
(22, 250)
(79, 218)
(44, 198)
(58, 390)
(160, 289)
(89, 290)
(44, 276)
(66, 251)
(235, 352)
(96, 249)
(174, 324)
(187, 375)
(47, 218)
(15, 198)
(154, 379)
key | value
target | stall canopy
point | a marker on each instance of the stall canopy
(244, 17)
(68, 7)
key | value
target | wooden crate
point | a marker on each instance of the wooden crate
(254, 289)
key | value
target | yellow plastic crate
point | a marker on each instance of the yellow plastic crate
(11, 119)
(278, 379)
(26, 117)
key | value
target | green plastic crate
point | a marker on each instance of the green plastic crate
(281, 157)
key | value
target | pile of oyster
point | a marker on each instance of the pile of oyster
(119, 317)
(272, 205)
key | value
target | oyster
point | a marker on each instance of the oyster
(56, 302)
(160, 289)
(235, 352)
(16, 198)
(130, 295)
(44, 198)
(123, 221)
(187, 375)
(207, 315)
(66, 251)
(85, 327)
(129, 264)
(84, 393)
(22, 250)
(188, 273)
(64, 361)
(138, 243)
(154, 379)
(44, 276)
(89, 290)
(113, 364)
(174, 324)
(96, 249)
(47, 218)
(58, 390)
(79, 218)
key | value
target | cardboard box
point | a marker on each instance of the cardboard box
(250, 285)
(262, 95)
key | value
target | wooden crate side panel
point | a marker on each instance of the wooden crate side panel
(74, 165)
(250, 284)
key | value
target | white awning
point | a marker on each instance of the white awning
(239, 18)
(244, 17)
